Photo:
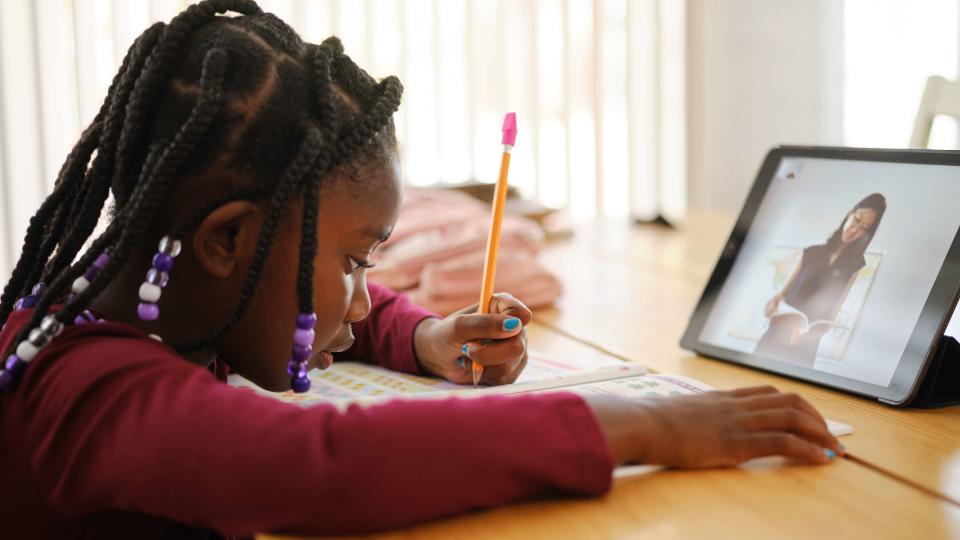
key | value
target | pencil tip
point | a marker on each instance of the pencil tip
(477, 373)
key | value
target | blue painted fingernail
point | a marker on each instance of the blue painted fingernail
(830, 453)
(511, 324)
(460, 362)
(465, 349)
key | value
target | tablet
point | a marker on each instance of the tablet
(843, 269)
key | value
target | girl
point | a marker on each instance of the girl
(819, 285)
(266, 168)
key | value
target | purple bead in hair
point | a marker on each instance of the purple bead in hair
(157, 278)
(301, 353)
(302, 349)
(85, 316)
(81, 283)
(31, 299)
(304, 338)
(300, 384)
(91, 273)
(15, 365)
(297, 369)
(101, 261)
(148, 311)
(6, 381)
(163, 262)
(12, 370)
(306, 321)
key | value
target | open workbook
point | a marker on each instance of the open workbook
(346, 383)
(805, 324)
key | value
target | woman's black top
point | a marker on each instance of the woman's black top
(819, 285)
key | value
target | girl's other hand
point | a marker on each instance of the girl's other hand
(498, 340)
(716, 429)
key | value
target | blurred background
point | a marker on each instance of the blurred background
(627, 109)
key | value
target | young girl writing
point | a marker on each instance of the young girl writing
(253, 175)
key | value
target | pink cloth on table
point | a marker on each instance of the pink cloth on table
(437, 249)
(446, 286)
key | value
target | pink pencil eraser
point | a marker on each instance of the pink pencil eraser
(509, 129)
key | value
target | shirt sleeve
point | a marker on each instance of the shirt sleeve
(385, 337)
(159, 436)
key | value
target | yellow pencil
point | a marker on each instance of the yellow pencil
(496, 219)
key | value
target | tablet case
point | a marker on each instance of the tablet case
(941, 384)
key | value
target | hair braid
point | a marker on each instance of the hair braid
(285, 119)
(33, 254)
(95, 189)
(43, 232)
(308, 247)
(364, 130)
(131, 145)
(71, 176)
(289, 182)
(325, 101)
(156, 182)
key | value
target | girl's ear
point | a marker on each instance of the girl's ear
(227, 237)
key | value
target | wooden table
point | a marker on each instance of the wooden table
(921, 447)
(629, 293)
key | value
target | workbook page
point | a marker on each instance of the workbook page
(345, 382)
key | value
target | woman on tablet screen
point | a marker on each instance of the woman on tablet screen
(818, 286)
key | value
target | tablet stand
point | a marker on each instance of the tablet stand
(941, 384)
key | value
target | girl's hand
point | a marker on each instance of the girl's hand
(445, 347)
(772, 305)
(716, 429)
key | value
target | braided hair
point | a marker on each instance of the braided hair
(238, 98)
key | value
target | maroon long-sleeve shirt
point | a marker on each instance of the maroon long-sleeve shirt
(111, 434)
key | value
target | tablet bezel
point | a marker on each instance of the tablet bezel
(929, 327)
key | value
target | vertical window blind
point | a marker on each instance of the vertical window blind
(598, 87)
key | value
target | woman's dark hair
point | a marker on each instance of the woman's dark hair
(853, 254)
(240, 101)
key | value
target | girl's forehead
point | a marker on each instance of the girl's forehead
(370, 201)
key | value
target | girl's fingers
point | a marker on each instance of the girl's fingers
(506, 304)
(753, 391)
(783, 444)
(504, 373)
(495, 353)
(793, 421)
(481, 326)
(780, 401)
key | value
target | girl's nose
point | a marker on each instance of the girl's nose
(360, 304)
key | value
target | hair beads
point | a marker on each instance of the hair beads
(31, 299)
(157, 278)
(81, 283)
(27, 350)
(160, 118)
(49, 328)
(302, 350)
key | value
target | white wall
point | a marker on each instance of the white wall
(761, 73)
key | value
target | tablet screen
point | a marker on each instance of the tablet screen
(837, 264)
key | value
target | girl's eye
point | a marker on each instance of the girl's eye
(358, 264)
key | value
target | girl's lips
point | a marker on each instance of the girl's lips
(324, 360)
